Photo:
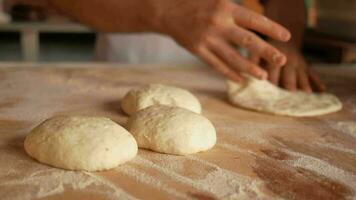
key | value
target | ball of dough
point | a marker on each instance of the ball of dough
(263, 96)
(81, 143)
(171, 130)
(157, 94)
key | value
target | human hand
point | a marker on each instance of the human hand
(295, 74)
(211, 29)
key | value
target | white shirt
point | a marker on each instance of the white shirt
(141, 48)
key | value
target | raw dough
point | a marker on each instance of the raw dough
(263, 96)
(81, 143)
(172, 130)
(155, 94)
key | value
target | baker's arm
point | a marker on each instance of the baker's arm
(110, 15)
(209, 29)
(296, 74)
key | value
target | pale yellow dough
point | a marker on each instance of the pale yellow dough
(172, 130)
(158, 94)
(81, 143)
(261, 95)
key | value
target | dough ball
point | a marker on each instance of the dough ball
(157, 94)
(172, 130)
(263, 96)
(81, 143)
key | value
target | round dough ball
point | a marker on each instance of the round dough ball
(81, 143)
(157, 94)
(172, 130)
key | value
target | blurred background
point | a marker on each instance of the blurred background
(34, 31)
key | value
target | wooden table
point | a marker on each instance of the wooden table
(257, 156)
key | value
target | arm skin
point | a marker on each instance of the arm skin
(210, 29)
(296, 73)
(111, 15)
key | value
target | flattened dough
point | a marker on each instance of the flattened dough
(81, 143)
(157, 94)
(172, 130)
(261, 95)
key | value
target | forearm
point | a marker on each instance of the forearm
(291, 14)
(111, 15)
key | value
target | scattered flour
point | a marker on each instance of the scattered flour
(235, 148)
(322, 167)
(50, 182)
(348, 127)
(150, 180)
(223, 184)
(336, 146)
(39, 181)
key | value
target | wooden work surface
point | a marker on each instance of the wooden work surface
(257, 156)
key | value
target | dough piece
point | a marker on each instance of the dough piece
(172, 130)
(263, 96)
(157, 94)
(81, 143)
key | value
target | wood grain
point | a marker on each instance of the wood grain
(257, 156)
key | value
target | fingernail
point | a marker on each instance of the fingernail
(277, 58)
(285, 36)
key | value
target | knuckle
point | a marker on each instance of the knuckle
(205, 38)
(219, 4)
(247, 40)
(197, 48)
(217, 10)
(251, 20)
(270, 51)
(213, 18)
(231, 55)
(200, 42)
(224, 70)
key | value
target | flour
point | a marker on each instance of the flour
(145, 178)
(322, 167)
(39, 181)
(221, 183)
(336, 146)
(348, 127)
(246, 131)
(50, 92)
(235, 148)
(51, 182)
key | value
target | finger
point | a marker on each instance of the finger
(220, 66)
(256, 45)
(303, 81)
(261, 24)
(254, 58)
(274, 74)
(289, 76)
(232, 58)
(315, 79)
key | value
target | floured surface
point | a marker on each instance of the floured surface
(257, 156)
(263, 96)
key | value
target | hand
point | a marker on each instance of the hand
(212, 29)
(295, 74)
